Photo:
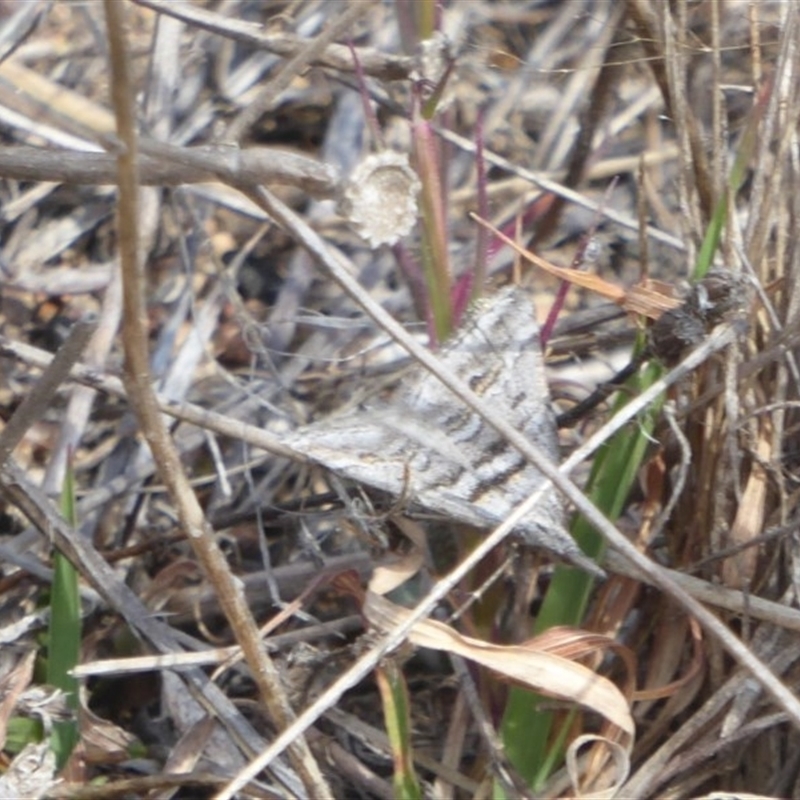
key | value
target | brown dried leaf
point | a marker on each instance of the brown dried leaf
(739, 569)
(102, 740)
(575, 766)
(537, 669)
(650, 299)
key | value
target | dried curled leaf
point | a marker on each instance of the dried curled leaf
(621, 759)
(526, 665)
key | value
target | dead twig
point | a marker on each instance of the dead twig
(312, 51)
(138, 383)
(162, 164)
(33, 406)
(335, 56)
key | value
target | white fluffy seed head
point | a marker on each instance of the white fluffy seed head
(380, 200)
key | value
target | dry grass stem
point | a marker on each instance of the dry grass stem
(137, 381)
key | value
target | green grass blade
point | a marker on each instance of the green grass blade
(527, 730)
(65, 632)
(394, 696)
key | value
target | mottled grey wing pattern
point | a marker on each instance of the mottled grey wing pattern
(426, 445)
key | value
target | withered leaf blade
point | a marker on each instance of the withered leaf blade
(427, 446)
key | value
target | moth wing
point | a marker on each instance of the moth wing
(427, 444)
(497, 352)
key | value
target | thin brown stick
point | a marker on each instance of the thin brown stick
(664, 59)
(267, 97)
(334, 56)
(33, 406)
(778, 128)
(591, 116)
(138, 382)
(163, 164)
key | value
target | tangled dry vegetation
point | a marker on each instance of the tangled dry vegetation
(638, 139)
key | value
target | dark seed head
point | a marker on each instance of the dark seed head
(711, 301)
